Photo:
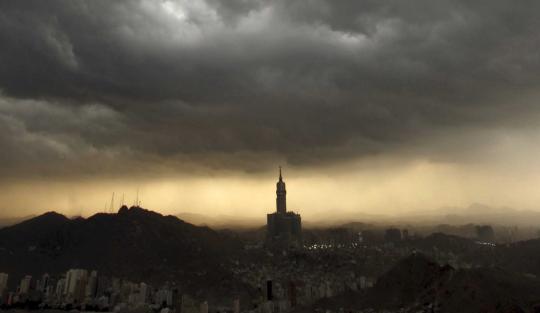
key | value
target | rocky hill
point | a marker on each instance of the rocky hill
(134, 243)
(419, 284)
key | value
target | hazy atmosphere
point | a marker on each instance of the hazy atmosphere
(270, 156)
(371, 107)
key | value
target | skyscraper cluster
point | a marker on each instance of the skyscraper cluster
(80, 288)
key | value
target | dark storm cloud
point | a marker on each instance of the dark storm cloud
(225, 83)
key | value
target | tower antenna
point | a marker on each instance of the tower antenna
(112, 203)
(137, 199)
(122, 204)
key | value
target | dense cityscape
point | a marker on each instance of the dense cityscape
(328, 271)
(286, 270)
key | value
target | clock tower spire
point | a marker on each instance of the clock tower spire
(281, 195)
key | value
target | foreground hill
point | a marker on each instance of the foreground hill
(523, 256)
(135, 243)
(418, 284)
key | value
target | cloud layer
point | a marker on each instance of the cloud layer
(95, 87)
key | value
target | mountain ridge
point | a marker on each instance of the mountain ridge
(135, 243)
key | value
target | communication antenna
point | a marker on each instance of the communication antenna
(112, 203)
(122, 199)
(137, 199)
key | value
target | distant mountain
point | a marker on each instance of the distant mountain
(330, 218)
(135, 243)
(221, 221)
(476, 214)
(449, 243)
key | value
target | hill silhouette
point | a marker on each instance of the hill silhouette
(523, 257)
(137, 244)
(418, 283)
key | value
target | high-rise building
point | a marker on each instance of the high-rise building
(144, 292)
(405, 234)
(60, 285)
(91, 285)
(3, 282)
(24, 287)
(292, 294)
(164, 297)
(75, 287)
(283, 227)
(43, 283)
(392, 235)
(104, 285)
(204, 307)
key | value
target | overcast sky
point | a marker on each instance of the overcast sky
(381, 106)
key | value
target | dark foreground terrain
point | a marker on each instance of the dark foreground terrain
(139, 260)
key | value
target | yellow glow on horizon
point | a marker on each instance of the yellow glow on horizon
(332, 191)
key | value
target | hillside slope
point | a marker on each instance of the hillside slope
(135, 243)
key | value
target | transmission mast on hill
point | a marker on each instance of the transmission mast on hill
(137, 198)
(112, 203)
